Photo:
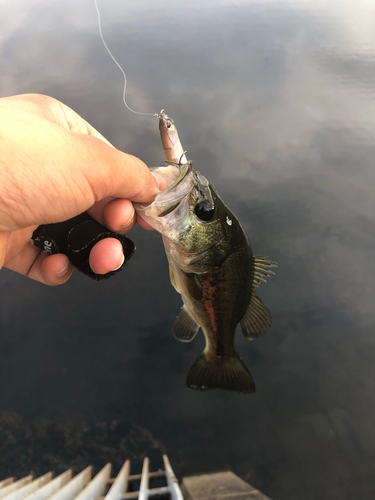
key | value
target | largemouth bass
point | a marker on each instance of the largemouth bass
(211, 265)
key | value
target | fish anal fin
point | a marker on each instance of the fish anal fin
(256, 320)
(230, 374)
(185, 328)
(262, 269)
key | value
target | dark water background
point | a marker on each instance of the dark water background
(275, 103)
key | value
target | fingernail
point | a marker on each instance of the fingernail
(63, 271)
(162, 184)
(132, 221)
(122, 261)
(119, 250)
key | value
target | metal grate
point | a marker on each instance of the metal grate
(84, 487)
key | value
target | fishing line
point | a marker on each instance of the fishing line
(118, 65)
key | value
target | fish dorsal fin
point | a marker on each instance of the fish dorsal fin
(256, 320)
(185, 328)
(262, 269)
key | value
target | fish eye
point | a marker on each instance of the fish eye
(169, 124)
(204, 210)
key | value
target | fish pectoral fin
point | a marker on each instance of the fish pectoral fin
(262, 270)
(212, 372)
(172, 277)
(256, 320)
(193, 285)
(185, 328)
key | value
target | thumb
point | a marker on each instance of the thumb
(119, 174)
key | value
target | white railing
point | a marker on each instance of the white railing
(102, 487)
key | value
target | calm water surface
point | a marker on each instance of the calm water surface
(274, 101)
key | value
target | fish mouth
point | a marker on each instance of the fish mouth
(183, 172)
(171, 212)
(179, 181)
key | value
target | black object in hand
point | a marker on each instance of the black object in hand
(75, 238)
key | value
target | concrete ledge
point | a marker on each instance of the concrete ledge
(219, 486)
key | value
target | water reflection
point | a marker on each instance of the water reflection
(275, 103)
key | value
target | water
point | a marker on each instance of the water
(275, 103)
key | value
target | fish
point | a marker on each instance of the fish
(212, 266)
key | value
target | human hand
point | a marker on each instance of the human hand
(53, 166)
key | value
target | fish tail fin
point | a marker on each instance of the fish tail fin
(212, 372)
